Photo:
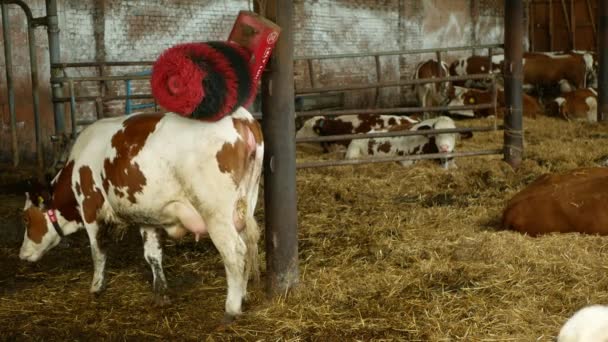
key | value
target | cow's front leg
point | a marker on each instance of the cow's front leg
(153, 252)
(99, 259)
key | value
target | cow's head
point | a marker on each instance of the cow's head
(307, 128)
(442, 142)
(445, 142)
(40, 234)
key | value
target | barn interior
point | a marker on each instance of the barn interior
(384, 252)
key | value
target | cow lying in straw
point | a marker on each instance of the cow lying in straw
(410, 145)
(158, 172)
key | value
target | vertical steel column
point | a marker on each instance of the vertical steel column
(31, 37)
(513, 75)
(55, 57)
(280, 200)
(8, 58)
(602, 39)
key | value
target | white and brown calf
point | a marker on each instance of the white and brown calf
(347, 124)
(158, 172)
(409, 145)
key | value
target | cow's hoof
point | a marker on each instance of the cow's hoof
(161, 301)
(98, 288)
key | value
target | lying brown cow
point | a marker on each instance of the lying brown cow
(574, 201)
(580, 104)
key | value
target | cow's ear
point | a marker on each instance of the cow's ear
(318, 126)
(28, 201)
(424, 128)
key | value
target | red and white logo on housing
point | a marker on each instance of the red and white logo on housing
(272, 37)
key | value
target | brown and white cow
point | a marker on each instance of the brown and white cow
(431, 94)
(476, 65)
(409, 145)
(348, 124)
(158, 172)
(580, 104)
(589, 58)
(468, 96)
(551, 69)
(573, 201)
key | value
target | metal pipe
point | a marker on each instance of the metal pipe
(602, 37)
(72, 110)
(31, 37)
(99, 78)
(400, 52)
(513, 78)
(105, 98)
(389, 110)
(379, 79)
(311, 73)
(345, 162)
(300, 91)
(393, 83)
(8, 58)
(99, 64)
(403, 133)
(280, 198)
(26, 9)
(55, 57)
(128, 95)
(494, 90)
(61, 65)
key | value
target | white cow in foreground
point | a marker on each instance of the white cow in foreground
(409, 145)
(589, 324)
(158, 172)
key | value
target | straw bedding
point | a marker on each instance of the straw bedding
(386, 253)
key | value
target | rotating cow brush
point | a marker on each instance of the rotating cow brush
(210, 80)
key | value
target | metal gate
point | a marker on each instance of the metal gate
(438, 52)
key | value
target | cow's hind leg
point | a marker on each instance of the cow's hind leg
(232, 249)
(153, 252)
(99, 259)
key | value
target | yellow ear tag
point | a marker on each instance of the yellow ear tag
(40, 200)
(471, 100)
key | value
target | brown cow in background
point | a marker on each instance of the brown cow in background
(580, 104)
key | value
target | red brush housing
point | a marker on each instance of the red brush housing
(259, 36)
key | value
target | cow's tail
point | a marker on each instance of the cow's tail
(251, 237)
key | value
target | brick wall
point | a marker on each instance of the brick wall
(120, 30)
(331, 27)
